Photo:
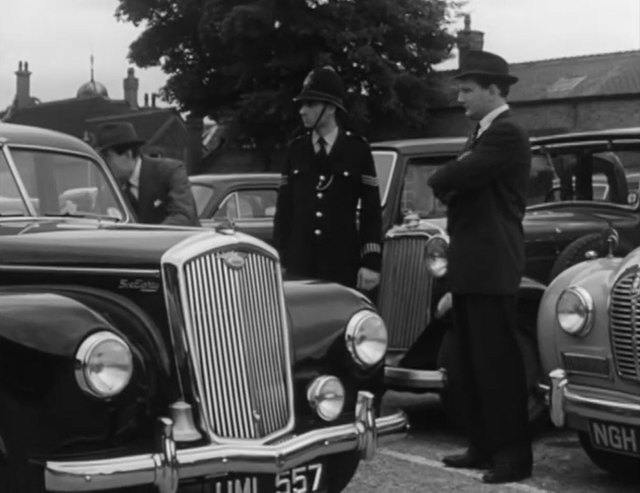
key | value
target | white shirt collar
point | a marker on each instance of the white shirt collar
(489, 117)
(134, 179)
(330, 139)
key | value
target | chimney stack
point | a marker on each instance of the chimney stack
(23, 90)
(131, 84)
(468, 40)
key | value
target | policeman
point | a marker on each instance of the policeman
(328, 221)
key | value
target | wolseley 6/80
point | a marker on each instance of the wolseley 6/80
(580, 184)
(589, 334)
(149, 358)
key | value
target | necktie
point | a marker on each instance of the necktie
(322, 144)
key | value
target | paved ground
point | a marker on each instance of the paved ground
(412, 464)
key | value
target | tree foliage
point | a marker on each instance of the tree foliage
(242, 61)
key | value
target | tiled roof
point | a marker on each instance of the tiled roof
(68, 115)
(606, 74)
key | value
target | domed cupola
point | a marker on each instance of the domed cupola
(92, 88)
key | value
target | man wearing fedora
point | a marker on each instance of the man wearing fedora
(328, 222)
(157, 189)
(484, 189)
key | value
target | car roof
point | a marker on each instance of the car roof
(25, 135)
(412, 146)
(632, 133)
(244, 178)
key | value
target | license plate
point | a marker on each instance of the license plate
(615, 437)
(308, 478)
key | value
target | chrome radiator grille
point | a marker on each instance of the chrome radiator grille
(237, 338)
(625, 325)
(405, 289)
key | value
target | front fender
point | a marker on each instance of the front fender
(597, 274)
(318, 314)
(45, 322)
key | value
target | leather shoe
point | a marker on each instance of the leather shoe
(507, 472)
(467, 460)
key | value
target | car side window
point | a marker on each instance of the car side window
(597, 176)
(11, 202)
(417, 196)
(248, 204)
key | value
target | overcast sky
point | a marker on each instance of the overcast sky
(57, 38)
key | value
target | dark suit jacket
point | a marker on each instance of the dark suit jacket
(317, 229)
(485, 190)
(164, 194)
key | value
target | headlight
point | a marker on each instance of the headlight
(104, 364)
(366, 338)
(437, 252)
(574, 311)
(326, 396)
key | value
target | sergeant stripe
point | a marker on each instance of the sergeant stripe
(371, 248)
(284, 180)
(370, 180)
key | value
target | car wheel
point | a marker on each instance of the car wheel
(575, 252)
(618, 465)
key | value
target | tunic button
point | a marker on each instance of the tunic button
(320, 195)
(346, 173)
(317, 232)
(323, 178)
(318, 214)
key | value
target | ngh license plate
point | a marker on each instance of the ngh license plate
(615, 437)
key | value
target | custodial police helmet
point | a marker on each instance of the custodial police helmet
(324, 85)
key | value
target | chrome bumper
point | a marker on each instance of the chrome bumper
(167, 465)
(564, 400)
(411, 379)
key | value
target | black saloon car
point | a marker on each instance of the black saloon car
(581, 184)
(151, 358)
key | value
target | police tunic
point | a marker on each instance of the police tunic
(328, 218)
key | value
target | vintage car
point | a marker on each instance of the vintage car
(564, 220)
(246, 199)
(151, 358)
(589, 336)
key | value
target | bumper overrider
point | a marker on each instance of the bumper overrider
(168, 465)
(565, 399)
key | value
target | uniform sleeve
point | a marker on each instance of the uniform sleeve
(284, 210)
(181, 206)
(370, 213)
(482, 164)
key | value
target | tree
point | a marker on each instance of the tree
(242, 61)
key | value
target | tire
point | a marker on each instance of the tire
(618, 465)
(575, 252)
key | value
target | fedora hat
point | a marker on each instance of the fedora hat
(485, 64)
(116, 133)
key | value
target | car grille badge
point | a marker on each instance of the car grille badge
(233, 259)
